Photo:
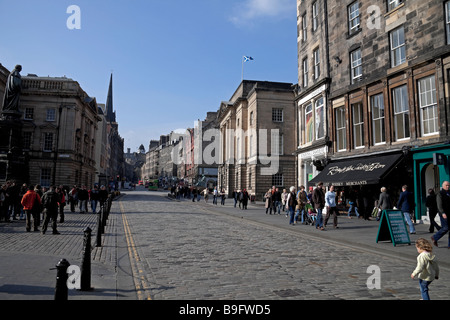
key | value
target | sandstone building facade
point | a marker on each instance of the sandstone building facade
(257, 132)
(388, 89)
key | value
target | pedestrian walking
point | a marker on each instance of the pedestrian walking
(352, 201)
(205, 194)
(427, 268)
(30, 202)
(406, 205)
(276, 198)
(284, 196)
(194, 194)
(102, 195)
(13, 198)
(73, 198)
(93, 198)
(235, 195)
(318, 197)
(83, 197)
(384, 202)
(215, 195)
(62, 203)
(222, 197)
(50, 201)
(38, 190)
(268, 201)
(23, 190)
(244, 199)
(443, 205)
(302, 200)
(330, 202)
(431, 204)
(291, 203)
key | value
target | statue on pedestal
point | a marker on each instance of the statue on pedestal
(12, 93)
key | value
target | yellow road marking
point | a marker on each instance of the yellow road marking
(138, 274)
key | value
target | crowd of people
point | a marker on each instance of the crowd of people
(36, 204)
(317, 205)
(309, 207)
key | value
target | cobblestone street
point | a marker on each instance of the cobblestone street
(196, 251)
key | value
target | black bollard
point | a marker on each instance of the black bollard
(86, 261)
(100, 221)
(99, 228)
(61, 290)
(104, 218)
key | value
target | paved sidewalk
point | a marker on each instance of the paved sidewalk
(28, 259)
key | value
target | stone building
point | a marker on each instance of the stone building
(199, 146)
(257, 132)
(388, 96)
(313, 88)
(60, 122)
(150, 168)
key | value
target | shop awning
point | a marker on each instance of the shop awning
(358, 171)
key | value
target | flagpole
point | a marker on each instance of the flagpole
(242, 79)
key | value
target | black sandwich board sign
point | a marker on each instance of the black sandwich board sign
(393, 227)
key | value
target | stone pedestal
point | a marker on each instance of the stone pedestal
(13, 160)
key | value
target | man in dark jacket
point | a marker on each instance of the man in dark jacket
(443, 205)
(318, 198)
(83, 197)
(406, 204)
(431, 204)
(50, 201)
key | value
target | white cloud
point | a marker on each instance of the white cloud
(250, 10)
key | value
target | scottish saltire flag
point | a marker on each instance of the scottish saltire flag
(247, 58)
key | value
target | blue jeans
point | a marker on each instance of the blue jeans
(83, 206)
(410, 223)
(277, 206)
(351, 209)
(424, 289)
(300, 213)
(291, 215)
(443, 230)
(319, 219)
(94, 205)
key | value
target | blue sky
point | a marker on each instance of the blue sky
(172, 60)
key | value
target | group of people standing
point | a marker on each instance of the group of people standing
(297, 204)
(240, 197)
(29, 202)
(82, 196)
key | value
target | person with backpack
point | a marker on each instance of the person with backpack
(50, 201)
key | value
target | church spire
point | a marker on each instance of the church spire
(110, 114)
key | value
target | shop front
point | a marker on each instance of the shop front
(431, 169)
(357, 172)
(361, 178)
